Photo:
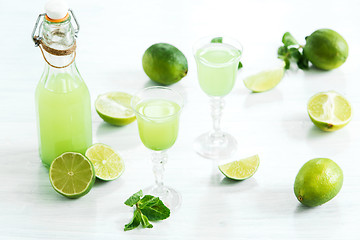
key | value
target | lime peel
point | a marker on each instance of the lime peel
(241, 169)
(318, 181)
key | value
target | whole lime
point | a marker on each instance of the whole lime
(318, 181)
(164, 63)
(326, 49)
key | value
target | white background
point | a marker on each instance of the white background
(275, 125)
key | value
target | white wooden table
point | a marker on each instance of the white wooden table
(275, 125)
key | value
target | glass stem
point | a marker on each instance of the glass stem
(217, 105)
(159, 159)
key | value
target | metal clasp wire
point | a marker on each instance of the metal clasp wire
(77, 25)
(37, 38)
(36, 35)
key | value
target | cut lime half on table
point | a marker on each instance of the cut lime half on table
(329, 111)
(72, 175)
(265, 80)
(107, 163)
(241, 169)
(114, 108)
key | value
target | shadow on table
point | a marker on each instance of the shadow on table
(336, 78)
(271, 96)
(315, 132)
(302, 209)
(328, 143)
(242, 184)
(324, 219)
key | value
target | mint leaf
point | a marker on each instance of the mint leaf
(295, 54)
(147, 208)
(135, 222)
(287, 63)
(240, 65)
(148, 201)
(216, 40)
(289, 40)
(145, 221)
(131, 201)
(282, 51)
(303, 62)
(156, 211)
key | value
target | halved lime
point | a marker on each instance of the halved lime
(265, 80)
(329, 111)
(72, 175)
(241, 169)
(114, 108)
(107, 163)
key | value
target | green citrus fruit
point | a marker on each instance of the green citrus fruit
(107, 163)
(318, 181)
(326, 49)
(164, 63)
(329, 111)
(72, 175)
(241, 169)
(265, 80)
(114, 108)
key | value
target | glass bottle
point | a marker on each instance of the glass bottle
(62, 97)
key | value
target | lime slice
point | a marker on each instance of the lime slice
(241, 169)
(329, 111)
(114, 108)
(107, 163)
(72, 175)
(265, 80)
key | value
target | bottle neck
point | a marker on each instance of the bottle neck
(59, 44)
(59, 63)
(60, 35)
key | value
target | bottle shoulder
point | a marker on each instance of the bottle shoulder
(61, 80)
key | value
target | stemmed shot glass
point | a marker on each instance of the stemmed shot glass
(217, 60)
(157, 111)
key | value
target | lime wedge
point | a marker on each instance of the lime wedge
(72, 175)
(329, 111)
(107, 163)
(241, 169)
(265, 80)
(114, 108)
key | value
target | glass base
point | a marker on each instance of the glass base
(171, 198)
(221, 147)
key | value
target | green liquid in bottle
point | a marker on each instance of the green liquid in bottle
(64, 116)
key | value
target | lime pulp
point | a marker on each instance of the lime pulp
(107, 163)
(72, 175)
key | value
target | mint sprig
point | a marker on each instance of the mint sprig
(147, 208)
(292, 51)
